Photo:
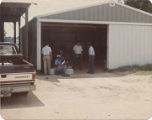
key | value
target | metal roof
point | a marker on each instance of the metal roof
(11, 11)
(111, 12)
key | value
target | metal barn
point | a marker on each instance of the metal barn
(122, 35)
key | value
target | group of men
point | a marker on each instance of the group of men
(60, 63)
(78, 50)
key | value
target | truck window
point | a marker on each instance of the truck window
(7, 50)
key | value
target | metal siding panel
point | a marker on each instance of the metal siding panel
(108, 13)
(92, 14)
(31, 38)
(103, 12)
(96, 14)
(121, 14)
(129, 15)
(86, 14)
(101, 15)
(117, 10)
(70, 15)
(141, 18)
(89, 15)
(136, 17)
(148, 19)
(64, 16)
(112, 14)
(78, 15)
(129, 45)
(126, 15)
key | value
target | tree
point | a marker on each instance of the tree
(144, 5)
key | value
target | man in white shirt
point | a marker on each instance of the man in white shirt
(77, 49)
(91, 52)
(47, 57)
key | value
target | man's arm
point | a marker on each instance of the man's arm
(89, 54)
(81, 50)
(74, 49)
(42, 52)
(51, 55)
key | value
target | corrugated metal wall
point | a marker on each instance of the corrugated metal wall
(23, 46)
(32, 44)
(32, 40)
(103, 12)
(129, 45)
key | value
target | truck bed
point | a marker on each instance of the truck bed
(14, 64)
(16, 74)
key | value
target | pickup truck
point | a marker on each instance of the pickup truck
(16, 74)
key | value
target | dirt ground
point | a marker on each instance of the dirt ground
(117, 95)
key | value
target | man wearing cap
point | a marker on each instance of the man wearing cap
(60, 64)
(47, 57)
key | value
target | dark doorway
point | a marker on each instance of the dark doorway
(64, 36)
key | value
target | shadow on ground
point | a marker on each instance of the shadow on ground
(83, 74)
(21, 101)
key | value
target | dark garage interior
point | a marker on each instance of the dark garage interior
(63, 36)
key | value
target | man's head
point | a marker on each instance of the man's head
(46, 44)
(89, 44)
(58, 57)
(61, 52)
(78, 43)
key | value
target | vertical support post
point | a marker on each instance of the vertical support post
(38, 50)
(1, 31)
(26, 34)
(15, 32)
(1, 26)
(108, 47)
(19, 34)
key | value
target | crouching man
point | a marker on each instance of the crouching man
(60, 65)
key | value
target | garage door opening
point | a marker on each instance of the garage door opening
(63, 36)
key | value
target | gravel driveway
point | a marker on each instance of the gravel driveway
(116, 95)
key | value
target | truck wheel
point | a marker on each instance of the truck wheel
(24, 93)
(20, 94)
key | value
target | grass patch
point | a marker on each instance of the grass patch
(143, 73)
(147, 67)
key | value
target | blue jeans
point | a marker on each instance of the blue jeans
(61, 68)
(91, 64)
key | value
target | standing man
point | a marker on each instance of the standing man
(47, 57)
(77, 49)
(91, 58)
